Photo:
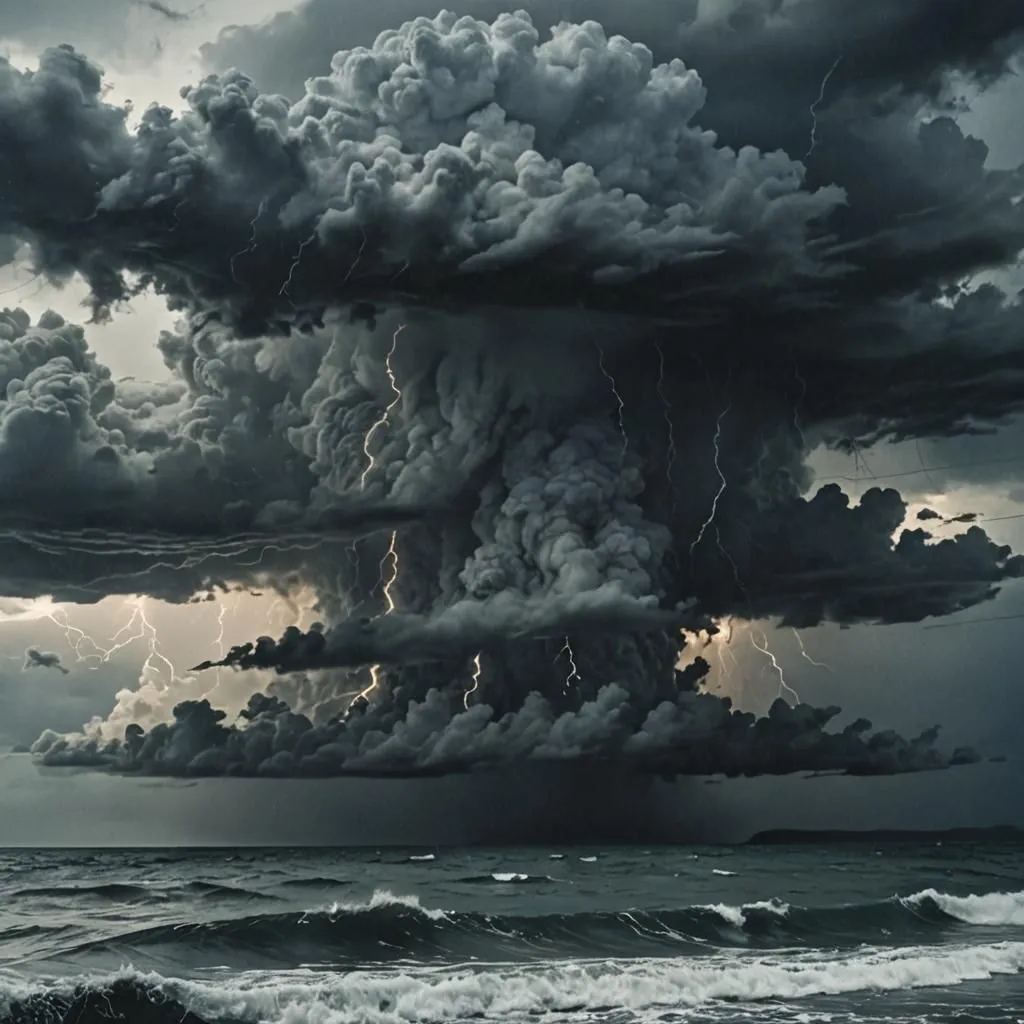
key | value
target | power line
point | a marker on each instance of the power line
(932, 469)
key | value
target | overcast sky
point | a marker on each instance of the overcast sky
(962, 673)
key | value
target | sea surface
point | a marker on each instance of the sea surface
(757, 934)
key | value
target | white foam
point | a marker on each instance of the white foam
(430, 996)
(994, 908)
(423, 857)
(731, 915)
(380, 898)
(589, 860)
(737, 916)
(509, 876)
(724, 873)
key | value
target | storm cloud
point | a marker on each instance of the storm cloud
(513, 345)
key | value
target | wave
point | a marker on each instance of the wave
(506, 878)
(739, 917)
(314, 882)
(388, 928)
(216, 891)
(994, 908)
(508, 992)
(102, 890)
(136, 893)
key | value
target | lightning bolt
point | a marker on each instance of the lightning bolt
(797, 425)
(726, 649)
(574, 672)
(150, 633)
(670, 454)
(806, 656)
(852, 446)
(392, 555)
(75, 638)
(606, 373)
(735, 569)
(814, 107)
(251, 244)
(784, 687)
(278, 605)
(723, 483)
(79, 641)
(296, 259)
(722, 643)
(371, 460)
(219, 641)
(355, 262)
(477, 669)
(190, 562)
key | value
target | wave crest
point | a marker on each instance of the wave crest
(429, 997)
(390, 927)
(994, 908)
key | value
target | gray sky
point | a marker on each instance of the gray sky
(80, 808)
(963, 676)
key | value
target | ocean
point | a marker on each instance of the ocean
(840, 933)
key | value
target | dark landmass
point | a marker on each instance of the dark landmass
(794, 837)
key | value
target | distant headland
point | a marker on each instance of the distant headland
(793, 837)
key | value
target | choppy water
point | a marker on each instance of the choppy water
(758, 934)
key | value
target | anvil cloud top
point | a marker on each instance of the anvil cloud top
(512, 342)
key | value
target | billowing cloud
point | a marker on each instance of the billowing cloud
(694, 734)
(127, 487)
(785, 48)
(487, 169)
(492, 342)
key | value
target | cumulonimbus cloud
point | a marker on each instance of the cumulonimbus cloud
(545, 354)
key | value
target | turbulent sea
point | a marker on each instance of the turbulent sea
(758, 934)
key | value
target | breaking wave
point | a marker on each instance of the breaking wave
(994, 908)
(390, 928)
(508, 992)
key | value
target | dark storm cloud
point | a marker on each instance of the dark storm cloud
(787, 48)
(508, 286)
(462, 627)
(489, 174)
(695, 734)
(845, 86)
(35, 658)
(819, 560)
(920, 206)
(125, 487)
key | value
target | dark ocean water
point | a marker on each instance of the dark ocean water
(837, 934)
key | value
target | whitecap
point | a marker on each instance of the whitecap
(993, 908)
(429, 996)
